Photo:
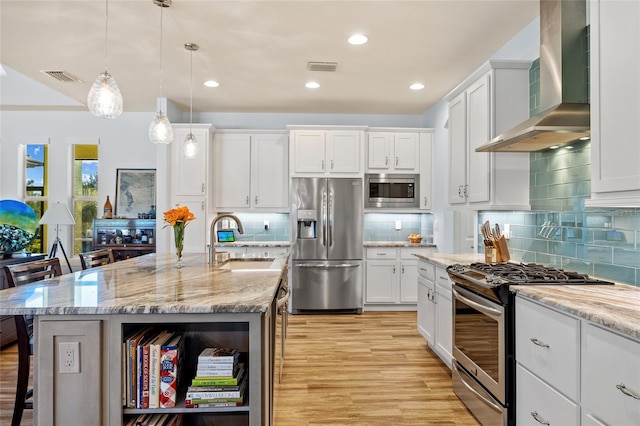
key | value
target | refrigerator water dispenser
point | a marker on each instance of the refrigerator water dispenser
(307, 221)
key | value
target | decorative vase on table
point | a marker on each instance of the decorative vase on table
(178, 218)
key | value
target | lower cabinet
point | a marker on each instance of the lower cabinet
(391, 278)
(435, 309)
(572, 371)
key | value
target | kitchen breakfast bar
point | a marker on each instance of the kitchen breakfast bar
(230, 304)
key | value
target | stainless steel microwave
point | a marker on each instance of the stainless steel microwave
(392, 191)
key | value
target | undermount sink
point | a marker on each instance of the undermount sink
(251, 264)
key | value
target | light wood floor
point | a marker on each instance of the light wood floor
(370, 369)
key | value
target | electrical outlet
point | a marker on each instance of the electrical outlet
(398, 225)
(266, 224)
(69, 357)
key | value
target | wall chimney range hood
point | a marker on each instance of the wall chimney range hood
(564, 84)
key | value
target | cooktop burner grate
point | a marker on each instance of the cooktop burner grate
(532, 273)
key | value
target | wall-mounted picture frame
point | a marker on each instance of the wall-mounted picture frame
(135, 192)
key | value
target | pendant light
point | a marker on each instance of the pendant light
(190, 146)
(104, 99)
(160, 130)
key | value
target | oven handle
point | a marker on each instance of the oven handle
(479, 395)
(482, 308)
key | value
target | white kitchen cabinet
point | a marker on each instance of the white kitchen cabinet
(324, 151)
(393, 152)
(615, 104)
(250, 171)
(426, 170)
(435, 309)
(444, 314)
(490, 101)
(196, 231)
(189, 175)
(392, 277)
(611, 368)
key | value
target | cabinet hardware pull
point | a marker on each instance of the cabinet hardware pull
(425, 201)
(403, 269)
(247, 200)
(466, 190)
(202, 188)
(331, 164)
(538, 342)
(202, 205)
(444, 278)
(322, 163)
(256, 199)
(386, 160)
(396, 161)
(539, 419)
(622, 388)
(394, 269)
(460, 191)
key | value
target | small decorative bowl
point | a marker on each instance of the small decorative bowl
(415, 240)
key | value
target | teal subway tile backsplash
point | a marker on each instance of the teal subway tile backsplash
(381, 226)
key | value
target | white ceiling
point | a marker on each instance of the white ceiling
(258, 50)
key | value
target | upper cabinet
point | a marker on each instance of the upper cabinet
(615, 104)
(251, 170)
(323, 151)
(189, 175)
(426, 169)
(393, 152)
(490, 101)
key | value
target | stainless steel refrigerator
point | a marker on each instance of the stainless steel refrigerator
(326, 252)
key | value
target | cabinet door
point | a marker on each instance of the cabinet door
(344, 150)
(426, 310)
(379, 151)
(189, 175)
(309, 151)
(457, 149)
(479, 133)
(426, 170)
(614, 117)
(381, 281)
(611, 377)
(406, 152)
(270, 171)
(409, 281)
(444, 324)
(195, 233)
(232, 171)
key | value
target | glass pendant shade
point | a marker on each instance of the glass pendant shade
(160, 130)
(190, 146)
(105, 100)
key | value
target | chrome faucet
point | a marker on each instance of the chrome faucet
(212, 238)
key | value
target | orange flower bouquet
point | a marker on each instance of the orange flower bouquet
(178, 218)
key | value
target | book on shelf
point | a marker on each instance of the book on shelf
(216, 365)
(132, 365)
(215, 405)
(214, 355)
(154, 367)
(220, 381)
(216, 373)
(213, 398)
(203, 394)
(170, 364)
(155, 419)
(143, 369)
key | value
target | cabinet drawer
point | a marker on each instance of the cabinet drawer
(408, 253)
(381, 253)
(548, 344)
(442, 278)
(610, 362)
(427, 270)
(536, 399)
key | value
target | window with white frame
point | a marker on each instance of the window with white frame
(85, 195)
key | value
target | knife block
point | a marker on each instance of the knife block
(499, 252)
(490, 254)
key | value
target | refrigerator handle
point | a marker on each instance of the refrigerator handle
(324, 219)
(330, 230)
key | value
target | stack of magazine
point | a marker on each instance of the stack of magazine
(157, 419)
(221, 380)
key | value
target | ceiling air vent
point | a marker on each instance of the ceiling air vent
(322, 66)
(63, 76)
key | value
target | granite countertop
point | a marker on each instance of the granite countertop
(149, 284)
(614, 306)
(446, 259)
(397, 244)
(254, 244)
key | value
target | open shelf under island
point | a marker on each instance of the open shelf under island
(230, 306)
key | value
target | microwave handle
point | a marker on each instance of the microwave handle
(484, 309)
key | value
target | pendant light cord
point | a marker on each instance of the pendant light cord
(161, 51)
(106, 34)
(191, 93)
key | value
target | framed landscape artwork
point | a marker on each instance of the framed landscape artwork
(135, 192)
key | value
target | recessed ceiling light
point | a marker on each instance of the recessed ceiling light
(416, 86)
(358, 39)
(568, 147)
(211, 83)
(554, 147)
(312, 85)
(585, 138)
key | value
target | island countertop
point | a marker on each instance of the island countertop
(149, 284)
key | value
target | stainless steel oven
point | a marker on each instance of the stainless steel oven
(392, 190)
(479, 354)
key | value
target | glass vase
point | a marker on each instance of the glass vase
(178, 234)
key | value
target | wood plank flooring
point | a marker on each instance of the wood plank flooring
(370, 369)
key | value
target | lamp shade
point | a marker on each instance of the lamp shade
(57, 214)
(160, 130)
(104, 99)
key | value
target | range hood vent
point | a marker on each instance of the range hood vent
(564, 84)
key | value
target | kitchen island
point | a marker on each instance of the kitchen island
(211, 305)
